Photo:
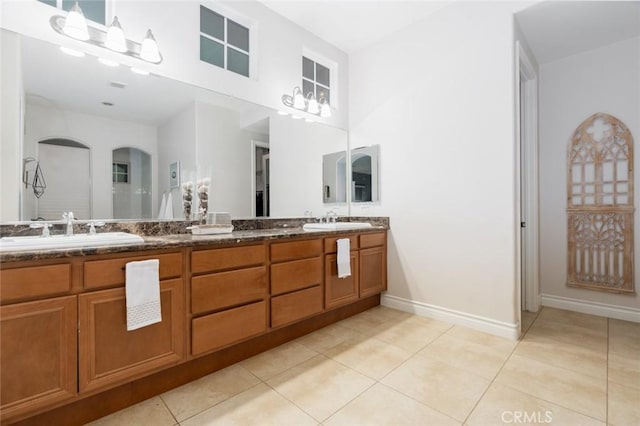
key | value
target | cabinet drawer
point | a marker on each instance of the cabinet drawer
(330, 245)
(295, 306)
(23, 283)
(295, 250)
(295, 275)
(111, 272)
(216, 291)
(227, 258)
(223, 328)
(372, 240)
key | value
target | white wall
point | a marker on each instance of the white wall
(174, 23)
(102, 135)
(296, 150)
(571, 90)
(11, 107)
(223, 153)
(439, 99)
(176, 142)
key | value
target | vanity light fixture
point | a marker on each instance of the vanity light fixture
(74, 25)
(309, 104)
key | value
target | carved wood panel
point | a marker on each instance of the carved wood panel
(600, 206)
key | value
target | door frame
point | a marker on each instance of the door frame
(255, 144)
(527, 119)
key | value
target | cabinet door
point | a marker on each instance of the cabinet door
(110, 355)
(340, 291)
(373, 271)
(38, 348)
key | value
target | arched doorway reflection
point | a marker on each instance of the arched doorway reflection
(131, 178)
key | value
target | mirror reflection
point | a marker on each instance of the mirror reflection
(105, 139)
(364, 174)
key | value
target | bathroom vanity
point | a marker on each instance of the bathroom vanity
(66, 353)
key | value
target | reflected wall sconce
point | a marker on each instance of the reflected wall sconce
(37, 183)
(308, 104)
(75, 26)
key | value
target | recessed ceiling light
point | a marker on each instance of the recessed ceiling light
(108, 62)
(72, 52)
(105, 103)
(139, 71)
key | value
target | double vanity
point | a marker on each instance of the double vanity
(67, 356)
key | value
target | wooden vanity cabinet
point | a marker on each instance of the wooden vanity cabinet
(38, 355)
(372, 259)
(296, 281)
(229, 288)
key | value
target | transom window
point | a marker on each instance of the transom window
(316, 79)
(224, 42)
(93, 10)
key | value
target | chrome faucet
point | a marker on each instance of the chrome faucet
(45, 228)
(68, 218)
(331, 216)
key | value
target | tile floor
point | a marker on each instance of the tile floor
(386, 367)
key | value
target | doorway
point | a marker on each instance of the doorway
(131, 179)
(527, 144)
(260, 162)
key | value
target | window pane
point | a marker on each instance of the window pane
(307, 68)
(322, 75)
(238, 62)
(307, 87)
(211, 51)
(237, 35)
(211, 23)
(49, 2)
(91, 9)
(323, 91)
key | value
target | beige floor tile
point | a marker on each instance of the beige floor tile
(624, 337)
(149, 412)
(411, 334)
(439, 385)
(259, 405)
(624, 405)
(279, 359)
(577, 319)
(584, 394)
(381, 405)
(327, 337)
(388, 314)
(503, 405)
(527, 319)
(500, 344)
(192, 398)
(567, 333)
(624, 369)
(371, 357)
(320, 386)
(466, 355)
(364, 323)
(565, 355)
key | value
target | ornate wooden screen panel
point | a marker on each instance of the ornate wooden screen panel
(600, 206)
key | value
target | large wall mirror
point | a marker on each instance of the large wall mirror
(365, 175)
(136, 129)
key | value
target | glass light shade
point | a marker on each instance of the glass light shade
(149, 50)
(325, 110)
(75, 25)
(298, 99)
(313, 106)
(115, 37)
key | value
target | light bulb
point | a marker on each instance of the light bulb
(115, 37)
(149, 50)
(75, 25)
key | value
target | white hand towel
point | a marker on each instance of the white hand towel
(163, 207)
(168, 214)
(143, 293)
(344, 258)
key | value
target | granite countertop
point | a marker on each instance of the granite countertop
(169, 241)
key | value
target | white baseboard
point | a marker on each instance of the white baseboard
(592, 308)
(498, 328)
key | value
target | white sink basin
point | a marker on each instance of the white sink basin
(335, 226)
(64, 242)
